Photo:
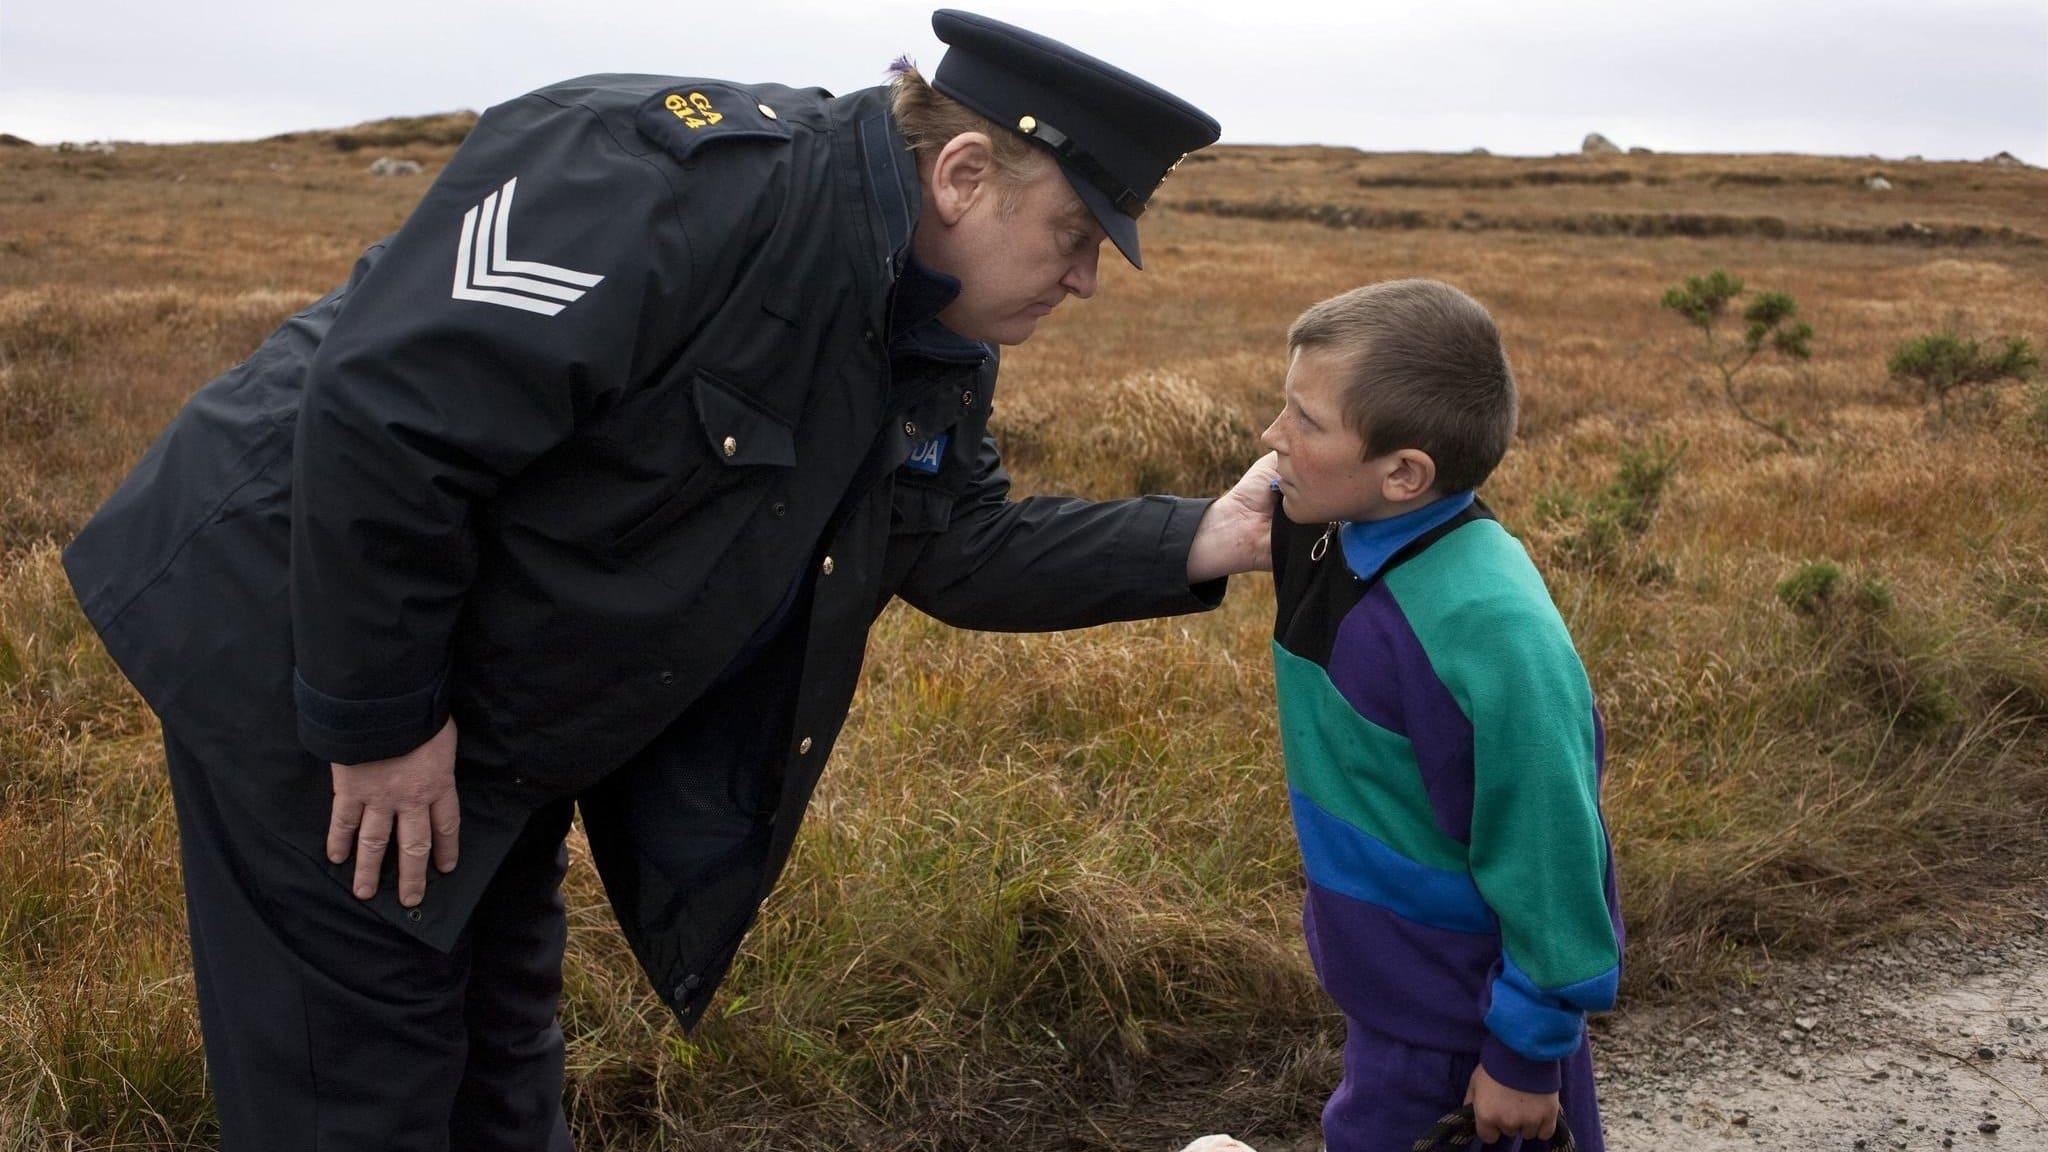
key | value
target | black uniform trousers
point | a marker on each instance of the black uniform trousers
(328, 1028)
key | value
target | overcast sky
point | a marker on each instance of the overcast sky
(1945, 79)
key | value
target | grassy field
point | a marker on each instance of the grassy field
(1048, 893)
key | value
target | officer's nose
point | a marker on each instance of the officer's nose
(1080, 277)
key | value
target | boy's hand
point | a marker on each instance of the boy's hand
(1499, 1110)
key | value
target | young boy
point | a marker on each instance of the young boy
(1443, 749)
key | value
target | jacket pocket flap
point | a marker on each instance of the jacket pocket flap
(918, 508)
(740, 431)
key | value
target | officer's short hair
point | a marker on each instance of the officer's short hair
(1426, 371)
(929, 119)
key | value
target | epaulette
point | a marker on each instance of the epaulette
(684, 119)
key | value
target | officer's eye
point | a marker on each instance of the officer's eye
(1071, 242)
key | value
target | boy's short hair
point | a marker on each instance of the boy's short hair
(1427, 371)
(929, 120)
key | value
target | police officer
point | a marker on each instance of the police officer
(584, 491)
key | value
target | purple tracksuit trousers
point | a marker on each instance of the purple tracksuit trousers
(1392, 1092)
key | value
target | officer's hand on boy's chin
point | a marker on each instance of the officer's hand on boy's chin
(415, 793)
(1499, 1110)
(1236, 533)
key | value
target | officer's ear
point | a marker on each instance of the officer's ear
(963, 175)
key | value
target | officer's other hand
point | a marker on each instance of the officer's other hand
(1236, 534)
(413, 795)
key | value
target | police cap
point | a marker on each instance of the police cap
(1115, 136)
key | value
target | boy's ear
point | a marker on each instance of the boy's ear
(1413, 475)
(961, 174)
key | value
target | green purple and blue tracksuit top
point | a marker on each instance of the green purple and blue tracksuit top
(1443, 764)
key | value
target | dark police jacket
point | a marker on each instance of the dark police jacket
(556, 451)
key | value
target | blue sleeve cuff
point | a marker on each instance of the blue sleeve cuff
(358, 731)
(1514, 1070)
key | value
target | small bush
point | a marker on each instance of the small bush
(1771, 320)
(1638, 488)
(1941, 364)
(1866, 650)
(1603, 529)
(1811, 588)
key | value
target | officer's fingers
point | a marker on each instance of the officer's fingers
(415, 841)
(342, 823)
(1549, 1128)
(446, 816)
(1489, 1132)
(371, 840)
(1255, 487)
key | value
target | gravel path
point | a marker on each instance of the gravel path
(1936, 1043)
(1930, 1045)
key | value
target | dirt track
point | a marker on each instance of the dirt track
(1934, 1044)
(1937, 1043)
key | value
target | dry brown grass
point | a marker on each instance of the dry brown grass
(1049, 890)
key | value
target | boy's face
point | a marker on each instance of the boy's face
(1324, 474)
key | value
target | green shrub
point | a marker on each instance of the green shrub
(1771, 321)
(1867, 651)
(1602, 529)
(1811, 587)
(1941, 364)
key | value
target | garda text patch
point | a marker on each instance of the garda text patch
(926, 454)
(694, 110)
(687, 117)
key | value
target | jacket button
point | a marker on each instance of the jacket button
(779, 508)
(910, 429)
(667, 678)
(828, 566)
(804, 747)
(731, 446)
(967, 399)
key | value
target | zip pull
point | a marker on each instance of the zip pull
(1322, 545)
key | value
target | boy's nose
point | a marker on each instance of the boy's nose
(1271, 436)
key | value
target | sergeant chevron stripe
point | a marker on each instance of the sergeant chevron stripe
(482, 266)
